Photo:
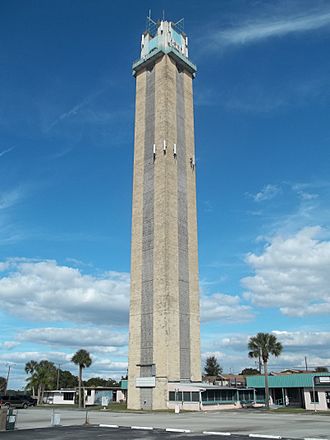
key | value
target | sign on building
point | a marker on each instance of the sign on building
(145, 382)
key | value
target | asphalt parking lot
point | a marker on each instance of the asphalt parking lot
(238, 423)
(93, 432)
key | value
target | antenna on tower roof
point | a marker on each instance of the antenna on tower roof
(151, 25)
(179, 25)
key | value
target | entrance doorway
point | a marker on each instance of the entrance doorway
(327, 398)
(278, 396)
(295, 397)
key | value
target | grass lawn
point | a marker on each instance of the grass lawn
(298, 411)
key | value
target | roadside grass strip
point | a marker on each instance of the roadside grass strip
(265, 436)
(103, 425)
(216, 433)
(144, 428)
(177, 430)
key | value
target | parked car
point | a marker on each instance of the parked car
(18, 401)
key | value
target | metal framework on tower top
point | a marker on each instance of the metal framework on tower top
(151, 25)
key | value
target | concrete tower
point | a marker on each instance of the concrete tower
(164, 343)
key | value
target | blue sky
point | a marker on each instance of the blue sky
(262, 97)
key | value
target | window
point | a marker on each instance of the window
(316, 396)
(68, 396)
(246, 395)
(195, 396)
(171, 395)
(260, 395)
(89, 392)
(186, 396)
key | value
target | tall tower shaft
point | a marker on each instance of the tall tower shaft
(164, 343)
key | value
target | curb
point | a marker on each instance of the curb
(144, 428)
(264, 436)
(103, 425)
(177, 430)
(187, 431)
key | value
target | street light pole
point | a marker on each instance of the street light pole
(7, 381)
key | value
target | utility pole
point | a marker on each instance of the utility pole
(6, 384)
(306, 368)
(58, 377)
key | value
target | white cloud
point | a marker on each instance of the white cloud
(19, 358)
(4, 265)
(262, 29)
(292, 273)
(267, 192)
(45, 291)
(8, 344)
(232, 352)
(222, 307)
(311, 342)
(106, 366)
(91, 338)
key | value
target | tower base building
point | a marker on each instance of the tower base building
(164, 329)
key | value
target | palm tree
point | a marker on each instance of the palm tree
(30, 368)
(262, 346)
(46, 376)
(42, 377)
(83, 359)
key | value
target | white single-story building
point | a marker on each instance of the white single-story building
(60, 397)
(93, 396)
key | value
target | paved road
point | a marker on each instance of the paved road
(88, 433)
(236, 422)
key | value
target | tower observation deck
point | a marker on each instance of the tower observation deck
(164, 340)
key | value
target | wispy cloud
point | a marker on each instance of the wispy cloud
(10, 198)
(61, 153)
(8, 150)
(75, 109)
(261, 29)
(72, 112)
(266, 193)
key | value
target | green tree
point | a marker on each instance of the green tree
(112, 383)
(3, 383)
(212, 367)
(263, 345)
(249, 372)
(67, 379)
(42, 377)
(322, 369)
(100, 382)
(96, 382)
(83, 360)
